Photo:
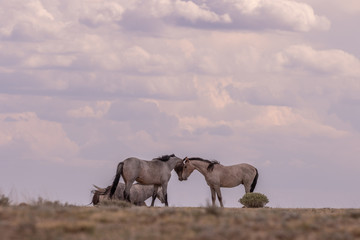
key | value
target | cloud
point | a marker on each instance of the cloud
(214, 91)
(232, 14)
(281, 14)
(98, 111)
(96, 14)
(343, 8)
(193, 12)
(185, 10)
(328, 62)
(143, 115)
(44, 140)
(293, 122)
(28, 21)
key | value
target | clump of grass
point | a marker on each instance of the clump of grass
(254, 200)
(115, 203)
(44, 202)
(4, 201)
(212, 210)
(41, 202)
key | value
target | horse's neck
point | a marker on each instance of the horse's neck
(201, 166)
(172, 162)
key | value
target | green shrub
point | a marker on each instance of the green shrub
(254, 200)
(4, 201)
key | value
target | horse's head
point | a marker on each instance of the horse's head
(99, 194)
(179, 169)
(188, 168)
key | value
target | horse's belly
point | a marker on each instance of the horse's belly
(230, 182)
(149, 180)
(230, 185)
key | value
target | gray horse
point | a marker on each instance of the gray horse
(139, 193)
(217, 175)
(156, 172)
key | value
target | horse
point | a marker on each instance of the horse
(139, 193)
(155, 172)
(218, 175)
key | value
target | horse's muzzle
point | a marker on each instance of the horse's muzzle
(182, 179)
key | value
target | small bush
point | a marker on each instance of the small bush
(254, 200)
(4, 201)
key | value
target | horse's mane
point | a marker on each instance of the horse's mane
(211, 163)
(164, 158)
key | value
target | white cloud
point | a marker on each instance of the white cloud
(186, 10)
(98, 111)
(293, 122)
(193, 12)
(46, 140)
(28, 21)
(214, 91)
(283, 13)
(48, 60)
(96, 13)
(330, 62)
(234, 14)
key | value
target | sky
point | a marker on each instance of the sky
(86, 84)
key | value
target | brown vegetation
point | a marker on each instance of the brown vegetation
(47, 220)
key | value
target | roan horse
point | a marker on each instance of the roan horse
(139, 193)
(156, 172)
(218, 175)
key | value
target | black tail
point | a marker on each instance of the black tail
(253, 185)
(117, 178)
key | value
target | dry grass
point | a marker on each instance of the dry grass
(56, 221)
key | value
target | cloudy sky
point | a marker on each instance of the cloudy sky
(85, 84)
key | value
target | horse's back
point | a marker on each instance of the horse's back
(132, 161)
(234, 175)
(131, 167)
(246, 169)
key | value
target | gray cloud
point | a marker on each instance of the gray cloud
(243, 14)
(347, 110)
(143, 116)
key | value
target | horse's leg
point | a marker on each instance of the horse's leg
(154, 195)
(218, 192)
(247, 187)
(164, 189)
(127, 190)
(213, 196)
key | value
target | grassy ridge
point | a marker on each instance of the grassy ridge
(56, 221)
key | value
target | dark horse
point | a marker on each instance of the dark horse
(156, 172)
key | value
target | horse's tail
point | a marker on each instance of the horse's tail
(119, 171)
(253, 185)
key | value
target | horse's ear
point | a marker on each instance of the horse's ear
(186, 159)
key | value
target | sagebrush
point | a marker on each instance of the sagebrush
(254, 200)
